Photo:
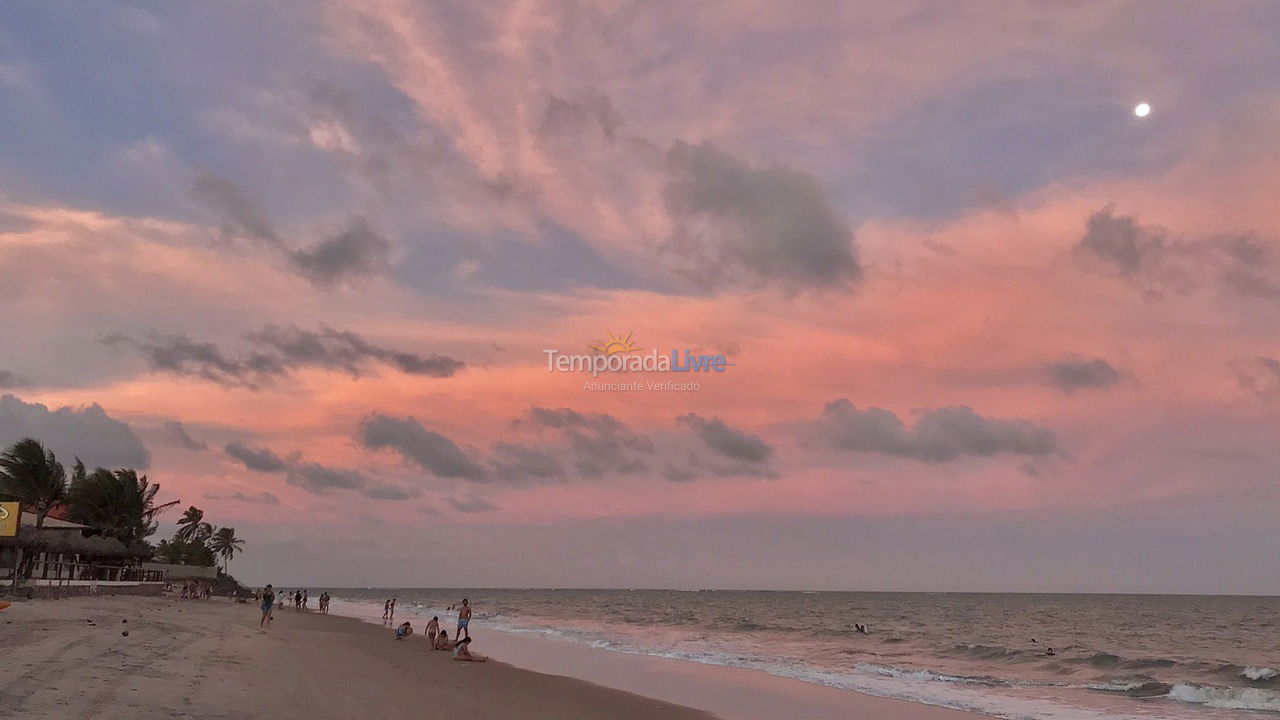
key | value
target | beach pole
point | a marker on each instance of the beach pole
(17, 569)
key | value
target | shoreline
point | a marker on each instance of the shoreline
(727, 692)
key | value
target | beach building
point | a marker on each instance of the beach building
(65, 555)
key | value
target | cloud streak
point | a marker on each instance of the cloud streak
(275, 351)
(355, 252)
(176, 433)
(939, 436)
(1071, 373)
(313, 477)
(1148, 257)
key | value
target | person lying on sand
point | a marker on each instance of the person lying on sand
(404, 631)
(461, 651)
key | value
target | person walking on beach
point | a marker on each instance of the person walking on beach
(268, 599)
(297, 601)
(386, 609)
(392, 616)
(433, 629)
(305, 599)
(464, 619)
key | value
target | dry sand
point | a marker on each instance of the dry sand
(67, 659)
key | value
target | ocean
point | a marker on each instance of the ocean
(1114, 656)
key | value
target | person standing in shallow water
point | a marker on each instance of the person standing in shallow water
(464, 619)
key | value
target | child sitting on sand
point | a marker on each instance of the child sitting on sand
(442, 641)
(461, 651)
(404, 631)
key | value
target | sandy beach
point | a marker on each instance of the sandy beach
(208, 659)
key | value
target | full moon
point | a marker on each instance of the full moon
(1142, 110)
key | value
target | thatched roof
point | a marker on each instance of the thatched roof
(71, 542)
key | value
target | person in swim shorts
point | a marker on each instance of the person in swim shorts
(464, 619)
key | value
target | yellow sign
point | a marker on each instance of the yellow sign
(9, 517)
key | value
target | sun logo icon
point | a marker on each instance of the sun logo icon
(615, 344)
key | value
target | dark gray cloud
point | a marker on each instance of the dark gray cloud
(1259, 376)
(354, 252)
(599, 443)
(176, 434)
(1119, 242)
(341, 349)
(727, 441)
(260, 459)
(678, 473)
(238, 214)
(10, 380)
(1242, 266)
(262, 498)
(320, 479)
(425, 448)
(180, 355)
(940, 435)
(737, 224)
(576, 116)
(470, 503)
(87, 432)
(276, 350)
(314, 477)
(516, 461)
(388, 492)
(1072, 373)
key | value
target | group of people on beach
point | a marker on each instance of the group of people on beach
(195, 590)
(300, 599)
(437, 636)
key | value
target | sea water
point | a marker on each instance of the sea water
(1114, 656)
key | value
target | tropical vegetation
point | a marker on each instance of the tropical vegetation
(118, 504)
(32, 475)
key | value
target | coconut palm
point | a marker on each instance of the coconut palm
(119, 504)
(226, 544)
(33, 476)
(191, 526)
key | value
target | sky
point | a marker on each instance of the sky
(982, 328)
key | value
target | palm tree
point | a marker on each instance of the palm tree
(191, 526)
(33, 476)
(117, 504)
(226, 544)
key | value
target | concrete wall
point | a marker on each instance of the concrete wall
(103, 588)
